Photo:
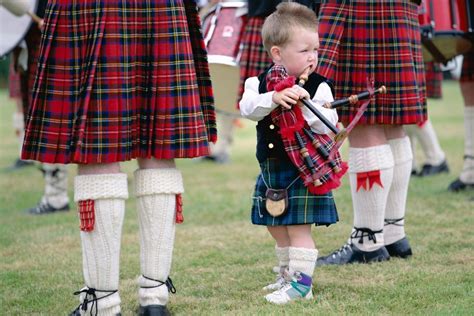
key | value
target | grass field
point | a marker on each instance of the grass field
(221, 260)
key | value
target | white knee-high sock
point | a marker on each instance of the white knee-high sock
(410, 130)
(426, 134)
(397, 196)
(55, 185)
(156, 191)
(370, 174)
(302, 260)
(101, 200)
(282, 254)
(467, 173)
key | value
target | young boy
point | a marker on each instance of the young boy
(291, 39)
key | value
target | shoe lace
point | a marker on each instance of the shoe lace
(41, 207)
(91, 297)
(365, 232)
(393, 221)
(341, 250)
(169, 284)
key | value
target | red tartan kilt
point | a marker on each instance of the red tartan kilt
(14, 82)
(467, 72)
(254, 59)
(118, 80)
(434, 80)
(378, 40)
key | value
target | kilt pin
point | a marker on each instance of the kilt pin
(379, 42)
(120, 80)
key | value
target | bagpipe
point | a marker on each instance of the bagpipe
(316, 156)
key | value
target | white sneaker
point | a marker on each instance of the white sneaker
(279, 283)
(298, 288)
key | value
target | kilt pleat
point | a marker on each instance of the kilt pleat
(379, 41)
(118, 80)
(434, 80)
(303, 207)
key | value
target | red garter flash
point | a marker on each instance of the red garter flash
(179, 209)
(366, 180)
(87, 215)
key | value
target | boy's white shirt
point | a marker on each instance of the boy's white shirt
(256, 106)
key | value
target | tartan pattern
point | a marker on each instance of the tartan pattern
(377, 40)
(14, 81)
(254, 59)
(119, 80)
(467, 71)
(303, 206)
(434, 80)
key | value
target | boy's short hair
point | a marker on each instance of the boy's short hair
(276, 29)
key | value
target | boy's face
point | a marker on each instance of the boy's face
(299, 53)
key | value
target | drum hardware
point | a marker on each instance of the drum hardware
(15, 21)
(446, 29)
(223, 25)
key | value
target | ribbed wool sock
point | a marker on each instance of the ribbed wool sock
(302, 260)
(370, 175)
(410, 130)
(428, 139)
(156, 191)
(397, 196)
(282, 254)
(101, 200)
(56, 183)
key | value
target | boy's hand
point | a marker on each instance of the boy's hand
(289, 96)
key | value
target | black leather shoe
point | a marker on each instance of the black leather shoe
(400, 248)
(154, 310)
(430, 170)
(46, 208)
(457, 185)
(18, 164)
(76, 312)
(351, 254)
(219, 159)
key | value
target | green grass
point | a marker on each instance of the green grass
(221, 260)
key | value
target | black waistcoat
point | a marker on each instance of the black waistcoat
(269, 143)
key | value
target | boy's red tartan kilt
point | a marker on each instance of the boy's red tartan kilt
(254, 59)
(118, 80)
(378, 40)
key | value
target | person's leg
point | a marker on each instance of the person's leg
(280, 235)
(220, 151)
(466, 177)
(370, 175)
(302, 260)
(55, 197)
(435, 158)
(158, 188)
(100, 191)
(394, 232)
(411, 133)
